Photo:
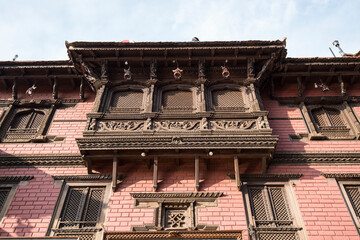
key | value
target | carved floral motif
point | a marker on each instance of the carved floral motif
(176, 125)
(121, 126)
(233, 125)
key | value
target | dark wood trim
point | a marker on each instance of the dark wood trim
(155, 173)
(91, 177)
(197, 172)
(238, 235)
(342, 176)
(267, 177)
(7, 160)
(15, 179)
(237, 172)
(306, 158)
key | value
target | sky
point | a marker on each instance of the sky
(37, 29)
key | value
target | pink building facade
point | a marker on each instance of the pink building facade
(193, 140)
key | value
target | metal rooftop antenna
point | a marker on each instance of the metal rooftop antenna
(337, 44)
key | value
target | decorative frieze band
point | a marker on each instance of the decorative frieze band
(302, 158)
(250, 142)
(90, 177)
(349, 176)
(266, 177)
(177, 125)
(178, 195)
(15, 179)
(174, 234)
(40, 160)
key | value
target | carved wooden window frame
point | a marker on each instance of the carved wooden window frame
(126, 88)
(179, 109)
(80, 182)
(355, 217)
(281, 231)
(231, 87)
(163, 202)
(346, 114)
(11, 187)
(11, 183)
(26, 136)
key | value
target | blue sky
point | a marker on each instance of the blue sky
(37, 29)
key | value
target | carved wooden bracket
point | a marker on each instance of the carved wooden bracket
(91, 77)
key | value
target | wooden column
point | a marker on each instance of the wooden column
(89, 166)
(197, 170)
(155, 176)
(114, 172)
(237, 172)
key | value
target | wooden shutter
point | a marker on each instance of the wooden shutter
(271, 213)
(177, 99)
(127, 100)
(4, 193)
(227, 99)
(82, 207)
(353, 192)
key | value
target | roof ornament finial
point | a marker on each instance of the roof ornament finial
(225, 72)
(284, 41)
(127, 73)
(31, 90)
(177, 72)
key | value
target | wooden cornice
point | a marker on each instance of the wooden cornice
(342, 176)
(15, 179)
(90, 177)
(302, 158)
(175, 234)
(267, 177)
(7, 160)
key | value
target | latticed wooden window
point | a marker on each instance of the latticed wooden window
(353, 193)
(328, 117)
(330, 122)
(25, 124)
(177, 100)
(126, 101)
(81, 212)
(4, 193)
(228, 99)
(271, 215)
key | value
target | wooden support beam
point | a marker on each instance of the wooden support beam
(197, 172)
(55, 88)
(263, 165)
(155, 175)
(114, 172)
(202, 155)
(15, 89)
(237, 172)
(300, 90)
(342, 87)
(81, 92)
